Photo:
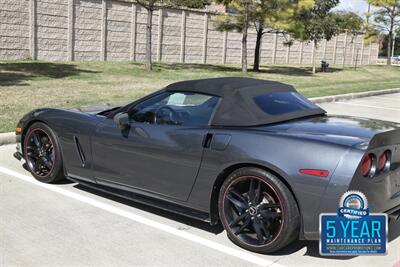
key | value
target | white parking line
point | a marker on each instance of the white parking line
(134, 217)
(367, 106)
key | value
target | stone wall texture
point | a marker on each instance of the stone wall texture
(14, 29)
(86, 30)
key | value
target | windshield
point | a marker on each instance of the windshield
(108, 111)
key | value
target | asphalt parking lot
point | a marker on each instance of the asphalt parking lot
(68, 224)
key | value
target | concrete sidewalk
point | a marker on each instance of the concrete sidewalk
(7, 138)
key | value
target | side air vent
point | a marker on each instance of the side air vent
(79, 150)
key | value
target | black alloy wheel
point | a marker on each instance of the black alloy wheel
(254, 211)
(42, 154)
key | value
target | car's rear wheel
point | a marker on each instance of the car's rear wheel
(42, 154)
(258, 211)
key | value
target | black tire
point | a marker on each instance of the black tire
(279, 215)
(50, 155)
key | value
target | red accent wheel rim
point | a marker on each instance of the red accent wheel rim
(253, 211)
(39, 152)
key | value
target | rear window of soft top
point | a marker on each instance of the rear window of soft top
(280, 103)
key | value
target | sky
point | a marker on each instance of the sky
(358, 6)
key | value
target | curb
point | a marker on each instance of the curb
(9, 138)
(334, 98)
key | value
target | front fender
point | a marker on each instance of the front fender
(68, 126)
(25, 122)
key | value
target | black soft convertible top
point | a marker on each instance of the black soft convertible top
(237, 107)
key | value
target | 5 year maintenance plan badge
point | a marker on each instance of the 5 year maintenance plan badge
(353, 230)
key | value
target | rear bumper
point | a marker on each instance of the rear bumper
(393, 214)
(383, 193)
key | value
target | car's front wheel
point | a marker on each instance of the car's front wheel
(42, 153)
(258, 211)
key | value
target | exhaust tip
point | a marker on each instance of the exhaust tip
(394, 216)
(17, 155)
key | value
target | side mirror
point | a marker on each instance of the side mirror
(122, 120)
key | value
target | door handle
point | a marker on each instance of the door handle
(207, 140)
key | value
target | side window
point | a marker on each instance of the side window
(175, 108)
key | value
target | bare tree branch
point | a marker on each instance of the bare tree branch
(141, 3)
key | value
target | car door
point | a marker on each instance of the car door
(161, 150)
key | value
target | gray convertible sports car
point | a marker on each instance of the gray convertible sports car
(253, 154)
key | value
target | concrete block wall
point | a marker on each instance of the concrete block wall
(171, 38)
(119, 18)
(194, 37)
(267, 46)
(233, 48)
(14, 29)
(51, 29)
(141, 15)
(87, 30)
(115, 30)
(215, 44)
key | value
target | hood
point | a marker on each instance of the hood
(94, 109)
(339, 129)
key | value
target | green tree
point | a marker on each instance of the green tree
(151, 6)
(384, 42)
(266, 16)
(239, 19)
(350, 23)
(317, 23)
(275, 16)
(386, 18)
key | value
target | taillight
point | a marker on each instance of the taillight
(368, 165)
(384, 161)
